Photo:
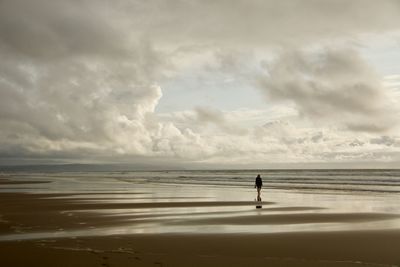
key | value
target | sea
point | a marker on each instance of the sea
(384, 181)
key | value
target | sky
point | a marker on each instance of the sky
(201, 84)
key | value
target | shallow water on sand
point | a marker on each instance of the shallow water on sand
(207, 202)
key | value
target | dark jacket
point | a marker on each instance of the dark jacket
(258, 182)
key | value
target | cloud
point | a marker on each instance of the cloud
(385, 140)
(81, 80)
(216, 117)
(71, 80)
(209, 121)
(49, 30)
(332, 85)
(267, 22)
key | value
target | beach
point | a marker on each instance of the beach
(175, 219)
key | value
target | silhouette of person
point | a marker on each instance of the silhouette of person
(258, 184)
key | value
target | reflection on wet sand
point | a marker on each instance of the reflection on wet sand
(66, 215)
(164, 208)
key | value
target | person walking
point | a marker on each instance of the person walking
(258, 184)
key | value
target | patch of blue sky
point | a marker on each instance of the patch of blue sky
(216, 90)
(383, 52)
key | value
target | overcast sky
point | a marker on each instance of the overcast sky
(201, 84)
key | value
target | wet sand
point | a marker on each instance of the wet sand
(371, 248)
(135, 229)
